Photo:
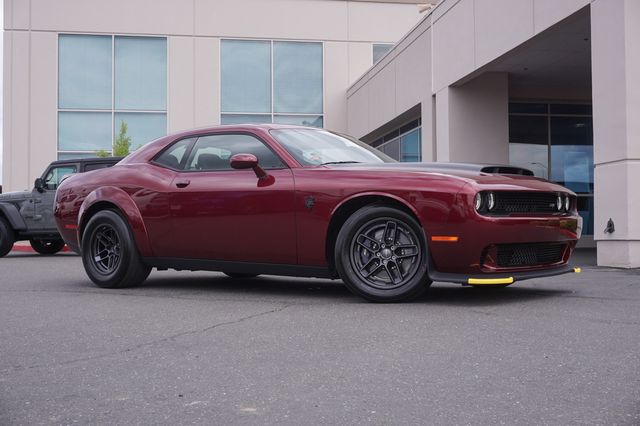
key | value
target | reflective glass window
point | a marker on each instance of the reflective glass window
(299, 120)
(245, 118)
(297, 80)
(55, 176)
(173, 156)
(379, 50)
(141, 127)
(411, 146)
(84, 131)
(84, 72)
(245, 76)
(141, 73)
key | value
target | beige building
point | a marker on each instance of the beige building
(75, 69)
(544, 84)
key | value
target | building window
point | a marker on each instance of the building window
(404, 143)
(380, 49)
(271, 82)
(555, 141)
(104, 81)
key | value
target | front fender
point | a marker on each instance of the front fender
(12, 214)
(123, 202)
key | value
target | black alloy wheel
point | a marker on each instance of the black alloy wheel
(109, 253)
(381, 255)
(7, 237)
(47, 246)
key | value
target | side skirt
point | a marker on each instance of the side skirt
(237, 267)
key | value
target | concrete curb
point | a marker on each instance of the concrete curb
(28, 249)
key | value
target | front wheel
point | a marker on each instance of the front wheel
(47, 246)
(7, 238)
(109, 253)
(381, 255)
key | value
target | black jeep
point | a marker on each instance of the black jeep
(29, 215)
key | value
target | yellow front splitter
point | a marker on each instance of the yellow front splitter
(490, 281)
(500, 281)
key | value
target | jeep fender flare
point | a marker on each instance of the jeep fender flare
(116, 197)
(12, 214)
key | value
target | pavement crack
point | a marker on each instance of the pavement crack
(150, 343)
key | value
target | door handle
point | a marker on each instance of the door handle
(183, 183)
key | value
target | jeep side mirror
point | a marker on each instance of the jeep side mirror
(39, 185)
(248, 161)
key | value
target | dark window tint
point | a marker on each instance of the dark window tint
(527, 108)
(528, 129)
(96, 166)
(173, 156)
(215, 151)
(571, 109)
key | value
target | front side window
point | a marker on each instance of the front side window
(271, 82)
(317, 147)
(104, 81)
(55, 176)
(214, 152)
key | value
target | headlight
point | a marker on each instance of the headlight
(477, 202)
(491, 201)
(567, 202)
(559, 202)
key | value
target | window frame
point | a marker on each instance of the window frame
(112, 110)
(195, 138)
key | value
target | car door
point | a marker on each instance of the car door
(221, 213)
(42, 201)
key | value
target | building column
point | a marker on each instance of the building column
(615, 31)
(472, 121)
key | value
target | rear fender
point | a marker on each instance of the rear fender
(12, 214)
(127, 207)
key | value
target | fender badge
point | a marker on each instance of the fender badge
(309, 202)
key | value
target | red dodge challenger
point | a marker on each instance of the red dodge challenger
(287, 200)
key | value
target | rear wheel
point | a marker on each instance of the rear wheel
(47, 246)
(109, 253)
(239, 275)
(381, 255)
(7, 237)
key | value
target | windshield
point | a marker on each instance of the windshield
(316, 147)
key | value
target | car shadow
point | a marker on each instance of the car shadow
(322, 289)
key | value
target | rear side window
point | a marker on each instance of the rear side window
(96, 166)
(213, 152)
(174, 156)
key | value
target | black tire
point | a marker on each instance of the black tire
(47, 246)
(7, 237)
(392, 270)
(109, 253)
(239, 275)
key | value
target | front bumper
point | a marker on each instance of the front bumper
(499, 278)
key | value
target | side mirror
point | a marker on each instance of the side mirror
(39, 185)
(247, 161)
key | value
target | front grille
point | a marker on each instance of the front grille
(513, 255)
(525, 202)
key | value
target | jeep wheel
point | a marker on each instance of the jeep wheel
(7, 237)
(381, 255)
(109, 253)
(47, 246)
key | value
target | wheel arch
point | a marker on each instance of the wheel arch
(12, 215)
(349, 206)
(112, 198)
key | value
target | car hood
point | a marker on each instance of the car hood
(13, 196)
(500, 177)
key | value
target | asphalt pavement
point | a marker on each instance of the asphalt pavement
(201, 348)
